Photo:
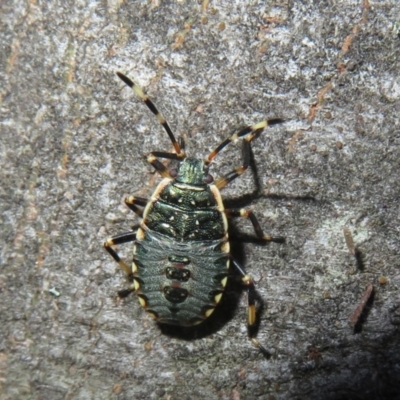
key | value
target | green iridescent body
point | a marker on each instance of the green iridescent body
(181, 250)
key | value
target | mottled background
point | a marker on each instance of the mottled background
(71, 145)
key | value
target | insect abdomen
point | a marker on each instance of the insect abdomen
(179, 283)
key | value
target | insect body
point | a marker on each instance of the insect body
(181, 254)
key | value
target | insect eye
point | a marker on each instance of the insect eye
(173, 172)
(208, 179)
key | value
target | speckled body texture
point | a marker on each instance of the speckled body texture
(181, 255)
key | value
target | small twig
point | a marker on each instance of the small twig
(349, 240)
(354, 251)
(356, 316)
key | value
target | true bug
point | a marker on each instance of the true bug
(181, 253)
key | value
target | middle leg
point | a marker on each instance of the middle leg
(132, 202)
(233, 213)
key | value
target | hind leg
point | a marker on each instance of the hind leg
(251, 310)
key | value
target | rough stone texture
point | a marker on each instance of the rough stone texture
(72, 139)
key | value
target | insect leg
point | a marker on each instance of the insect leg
(139, 92)
(251, 314)
(160, 168)
(118, 239)
(232, 213)
(170, 156)
(252, 131)
(132, 201)
(230, 176)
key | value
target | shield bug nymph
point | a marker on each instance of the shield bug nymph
(181, 251)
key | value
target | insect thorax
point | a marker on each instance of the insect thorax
(186, 212)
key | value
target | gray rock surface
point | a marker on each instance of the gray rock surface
(72, 138)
